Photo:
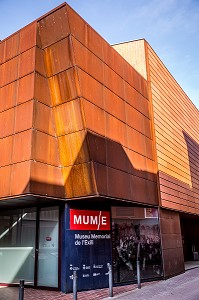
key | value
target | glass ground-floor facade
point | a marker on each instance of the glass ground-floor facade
(29, 246)
(44, 245)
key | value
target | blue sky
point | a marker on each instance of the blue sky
(170, 26)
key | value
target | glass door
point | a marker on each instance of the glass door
(47, 270)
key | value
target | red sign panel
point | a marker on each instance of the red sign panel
(89, 220)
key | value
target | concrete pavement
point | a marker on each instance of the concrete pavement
(181, 287)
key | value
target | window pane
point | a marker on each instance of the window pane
(135, 228)
(17, 246)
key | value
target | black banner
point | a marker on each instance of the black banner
(87, 252)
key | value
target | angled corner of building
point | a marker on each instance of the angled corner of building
(59, 80)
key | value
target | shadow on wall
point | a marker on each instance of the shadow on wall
(99, 166)
(178, 194)
(104, 167)
(190, 224)
(193, 154)
(92, 166)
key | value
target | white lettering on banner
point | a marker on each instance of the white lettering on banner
(96, 274)
(82, 236)
(77, 219)
(86, 267)
(97, 266)
(104, 221)
(93, 220)
(87, 243)
(100, 236)
(88, 239)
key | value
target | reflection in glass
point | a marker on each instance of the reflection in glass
(17, 246)
(130, 229)
(48, 247)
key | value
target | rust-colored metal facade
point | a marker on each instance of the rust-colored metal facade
(75, 117)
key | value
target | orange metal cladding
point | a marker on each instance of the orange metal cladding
(176, 130)
(85, 110)
(177, 139)
(16, 111)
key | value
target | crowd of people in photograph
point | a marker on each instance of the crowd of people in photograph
(127, 237)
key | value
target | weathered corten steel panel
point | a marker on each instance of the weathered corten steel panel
(40, 61)
(84, 33)
(6, 150)
(120, 108)
(9, 71)
(20, 178)
(116, 157)
(41, 141)
(25, 88)
(53, 27)
(101, 177)
(22, 146)
(28, 37)
(46, 180)
(113, 81)
(73, 148)
(27, 62)
(171, 242)
(5, 177)
(43, 118)
(57, 60)
(63, 86)
(79, 180)
(85, 112)
(116, 130)
(41, 90)
(8, 96)
(7, 122)
(122, 190)
(2, 53)
(97, 147)
(68, 117)
(94, 117)
(136, 100)
(91, 63)
(12, 47)
(91, 89)
(24, 116)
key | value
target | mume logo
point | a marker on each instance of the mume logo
(89, 220)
